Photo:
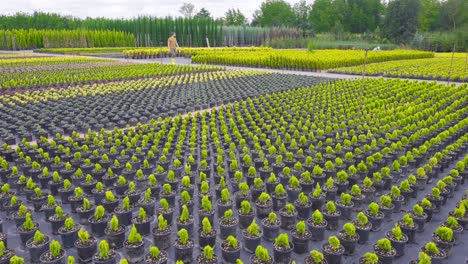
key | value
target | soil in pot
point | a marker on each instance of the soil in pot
(301, 241)
(398, 244)
(86, 249)
(270, 229)
(282, 255)
(184, 252)
(348, 242)
(230, 255)
(37, 249)
(332, 256)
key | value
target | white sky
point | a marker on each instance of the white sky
(127, 8)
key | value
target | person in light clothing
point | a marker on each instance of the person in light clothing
(172, 45)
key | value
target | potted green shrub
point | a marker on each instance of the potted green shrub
(55, 254)
(246, 214)
(270, 226)
(207, 256)
(318, 175)
(99, 193)
(162, 233)
(368, 189)
(279, 197)
(261, 256)
(457, 229)
(115, 233)
(419, 216)
(398, 239)
(225, 203)
(288, 216)
(386, 206)
(303, 206)
(271, 183)
(317, 225)
(293, 188)
(300, 237)
(27, 229)
(65, 191)
(330, 189)
(228, 224)
(282, 249)
(408, 227)
(384, 249)
(156, 256)
(348, 238)
(436, 255)
(124, 212)
(104, 255)
(317, 198)
(332, 215)
(263, 205)
(306, 181)
(375, 216)
(345, 205)
(242, 194)
(252, 237)
(134, 246)
(98, 221)
(443, 237)
(369, 258)
(207, 235)
(69, 233)
(315, 257)
(230, 249)
(6, 254)
(333, 250)
(142, 222)
(86, 246)
(363, 227)
(36, 245)
(184, 247)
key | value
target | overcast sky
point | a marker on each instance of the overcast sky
(127, 8)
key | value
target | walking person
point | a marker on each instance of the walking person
(172, 45)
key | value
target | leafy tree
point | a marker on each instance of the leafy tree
(234, 17)
(274, 13)
(203, 13)
(429, 15)
(401, 20)
(187, 10)
(302, 17)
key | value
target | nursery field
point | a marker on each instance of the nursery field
(104, 160)
(439, 68)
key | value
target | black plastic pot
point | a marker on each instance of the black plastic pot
(301, 242)
(47, 258)
(223, 207)
(228, 229)
(25, 235)
(110, 205)
(332, 257)
(84, 215)
(303, 211)
(385, 257)
(162, 239)
(206, 239)
(282, 256)
(376, 221)
(349, 244)
(263, 209)
(143, 226)
(278, 201)
(270, 232)
(410, 232)
(245, 220)
(420, 222)
(188, 225)
(124, 216)
(251, 242)
(86, 251)
(230, 255)
(115, 238)
(345, 210)
(35, 251)
(363, 232)
(98, 226)
(68, 236)
(332, 219)
(184, 252)
(399, 245)
(135, 251)
(317, 231)
(112, 259)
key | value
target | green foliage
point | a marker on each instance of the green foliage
(16, 260)
(361, 219)
(408, 220)
(272, 217)
(69, 223)
(444, 233)
(331, 208)
(371, 258)
(451, 222)
(98, 213)
(253, 229)
(246, 207)
(290, 208)
(262, 254)
(232, 242)
(397, 233)
(345, 198)
(350, 229)
(386, 201)
(225, 195)
(264, 197)
(374, 209)
(154, 252)
(184, 215)
(431, 248)
(103, 249)
(317, 191)
(83, 235)
(183, 236)
(55, 248)
(384, 244)
(334, 242)
(134, 237)
(279, 190)
(28, 224)
(207, 228)
(418, 210)
(282, 240)
(424, 258)
(208, 252)
(317, 217)
(38, 237)
(162, 223)
(164, 204)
